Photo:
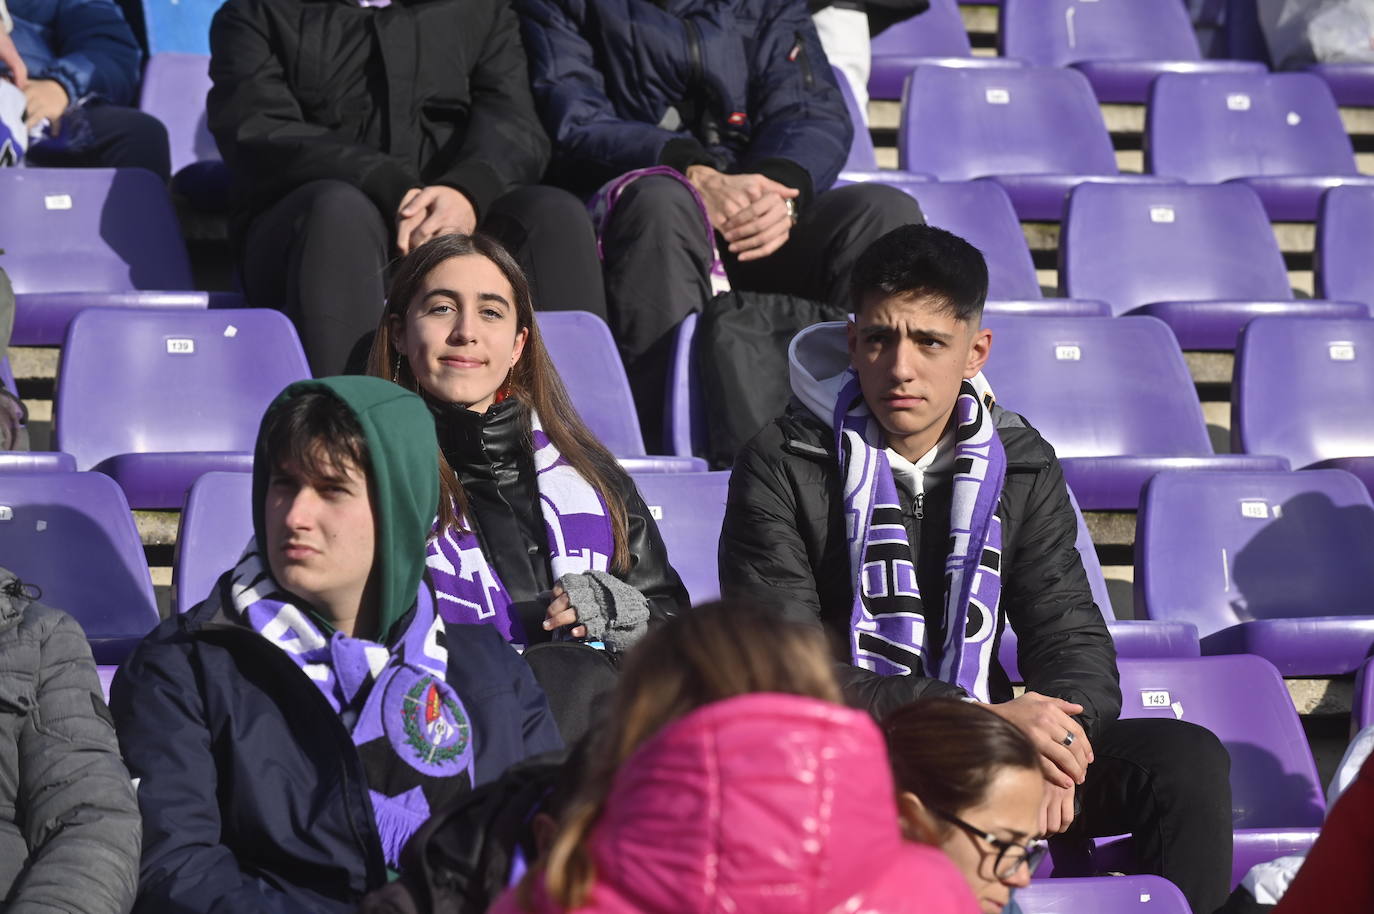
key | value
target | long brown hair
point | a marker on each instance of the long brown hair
(707, 654)
(533, 380)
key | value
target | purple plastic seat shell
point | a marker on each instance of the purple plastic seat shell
(1138, 894)
(216, 524)
(1270, 564)
(1351, 84)
(1345, 228)
(47, 315)
(936, 37)
(1362, 709)
(862, 163)
(689, 509)
(174, 89)
(36, 462)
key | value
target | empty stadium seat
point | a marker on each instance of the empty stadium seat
(71, 536)
(1273, 564)
(1037, 131)
(1121, 46)
(92, 237)
(689, 509)
(1280, 133)
(936, 37)
(174, 90)
(1362, 708)
(1202, 259)
(585, 355)
(862, 163)
(1112, 396)
(1305, 390)
(106, 674)
(1103, 895)
(216, 524)
(155, 399)
(1350, 83)
(1345, 244)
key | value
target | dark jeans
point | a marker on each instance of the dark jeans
(1166, 783)
(657, 262)
(322, 253)
(118, 138)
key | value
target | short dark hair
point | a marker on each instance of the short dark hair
(316, 435)
(922, 260)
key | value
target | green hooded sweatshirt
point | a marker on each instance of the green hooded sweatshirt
(402, 447)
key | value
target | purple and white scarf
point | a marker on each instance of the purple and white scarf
(580, 538)
(409, 713)
(888, 632)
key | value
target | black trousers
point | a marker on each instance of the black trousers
(1166, 783)
(657, 263)
(117, 138)
(322, 255)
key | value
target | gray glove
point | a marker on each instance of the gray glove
(613, 611)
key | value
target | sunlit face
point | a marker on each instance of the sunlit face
(911, 355)
(1010, 812)
(460, 334)
(321, 538)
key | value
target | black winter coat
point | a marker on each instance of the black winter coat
(416, 93)
(784, 544)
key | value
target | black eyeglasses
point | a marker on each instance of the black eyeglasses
(1010, 855)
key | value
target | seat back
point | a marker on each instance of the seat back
(967, 123)
(1242, 699)
(862, 156)
(981, 213)
(135, 381)
(1137, 894)
(71, 536)
(90, 230)
(938, 32)
(1098, 386)
(1132, 245)
(216, 524)
(174, 89)
(1302, 389)
(689, 509)
(176, 26)
(1055, 33)
(585, 355)
(1216, 549)
(1344, 229)
(1209, 128)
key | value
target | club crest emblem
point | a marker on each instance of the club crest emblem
(428, 725)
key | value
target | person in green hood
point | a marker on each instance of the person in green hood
(290, 733)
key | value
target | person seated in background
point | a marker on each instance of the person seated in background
(898, 506)
(292, 731)
(736, 96)
(969, 783)
(80, 76)
(69, 825)
(726, 777)
(355, 130)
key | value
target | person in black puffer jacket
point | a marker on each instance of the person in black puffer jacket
(950, 518)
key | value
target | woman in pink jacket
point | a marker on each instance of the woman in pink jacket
(730, 781)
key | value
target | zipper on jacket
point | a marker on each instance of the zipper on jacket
(918, 506)
(693, 48)
(798, 54)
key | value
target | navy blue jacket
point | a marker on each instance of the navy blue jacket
(252, 793)
(83, 44)
(747, 77)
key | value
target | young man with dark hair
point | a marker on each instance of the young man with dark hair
(897, 504)
(292, 731)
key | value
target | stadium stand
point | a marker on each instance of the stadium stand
(1201, 259)
(1273, 564)
(936, 37)
(154, 399)
(1344, 228)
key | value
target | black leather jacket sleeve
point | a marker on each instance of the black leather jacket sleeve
(650, 573)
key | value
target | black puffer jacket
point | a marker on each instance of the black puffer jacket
(419, 92)
(783, 544)
(492, 455)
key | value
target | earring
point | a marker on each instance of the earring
(396, 370)
(504, 391)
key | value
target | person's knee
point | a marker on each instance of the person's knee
(879, 207)
(344, 214)
(1191, 760)
(655, 200)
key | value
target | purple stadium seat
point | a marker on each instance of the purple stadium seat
(36, 462)
(936, 37)
(1351, 84)
(106, 672)
(689, 509)
(90, 231)
(1202, 259)
(1133, 637)
(1112, 396)
(1362, 708)
(684, 424)
(1121, 46)
(174, 90)
(1344, 232)
(862, 164)
(1037, 131)
(216, 523)
(1274, 564)
(71, 535)
(1302, 389)
(1280, 133)
(584, 353)
(156, 398)
(1276, 797)
(1103, 895)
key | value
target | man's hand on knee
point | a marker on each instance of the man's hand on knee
(760, 228)
(726, 196)
(1065, 752)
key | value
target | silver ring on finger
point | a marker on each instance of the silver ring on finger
(1068, 739)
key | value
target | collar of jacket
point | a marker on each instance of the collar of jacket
(479, 444)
